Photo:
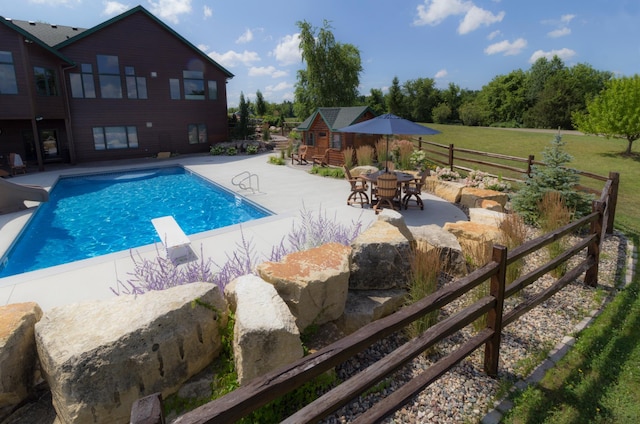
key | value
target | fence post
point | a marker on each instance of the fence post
(451, 157)
(494, 316)
(612, 200)
(419, 143)
(530, 164)
(147, 410)
(593, 250)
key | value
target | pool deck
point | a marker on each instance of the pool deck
(284, 190)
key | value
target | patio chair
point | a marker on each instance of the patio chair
(414, 189)
(359, 189)
(301, 156)
(16, 164)
(386, 191)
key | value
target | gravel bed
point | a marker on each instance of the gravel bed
(466, 393)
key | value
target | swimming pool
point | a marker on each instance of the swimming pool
(92, 215)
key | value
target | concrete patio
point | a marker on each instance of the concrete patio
(284, 190)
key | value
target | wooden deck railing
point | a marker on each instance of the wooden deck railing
(260, 391)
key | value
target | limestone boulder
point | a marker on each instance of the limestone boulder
(474, 237)
(313, 283)
(366, 306)
(380, 259)
(265, 336)
(435, 237)
(448, 190)
(486, 216)
(18, 354)
(99, 357)
(491, 205)
(396, 219)
(472, 197)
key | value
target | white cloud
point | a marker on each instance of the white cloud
(441, 73)
(560, 32)
(170, 10)
(114, 8)
(261, 71)
(567, 18)
(207, 11)
(279, 87)
(70, 3)
(433, 12)
(287, 52)
(506, 47)
(493, 35)
(245, 37)
(203, 47)
(563, 54)
(476, 17)
(232, 58)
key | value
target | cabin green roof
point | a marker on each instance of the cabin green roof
(335, 117)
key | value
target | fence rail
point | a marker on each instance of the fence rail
(246, 399)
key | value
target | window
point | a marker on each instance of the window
(174, 88)
(213, 90)
(82, 85)
(136, 86)
(336, 142)
(310, 140)
(108, 138)
(8, 82)
(193, 85)
(45, 81)
(109, 76)
(197, 133)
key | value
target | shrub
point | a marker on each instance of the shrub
(418, 160)
(382, 152)
(348, 157)
(514, 233)
(552, 177)
(483, 180)
(402, 150)
(327, 171)
(252, 149)
(231, 151)
(441, 113)
(364, 155)
(276, 160)
(425, 270)
(554, 214)
(478, 254)
(217, 150)
(446, 174)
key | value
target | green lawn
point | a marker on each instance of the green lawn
(598, 381)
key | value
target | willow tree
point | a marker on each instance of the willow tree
(332, 74)
(615, 113)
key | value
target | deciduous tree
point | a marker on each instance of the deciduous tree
(615, 113)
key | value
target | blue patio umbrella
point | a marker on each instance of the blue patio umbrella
(389, 124)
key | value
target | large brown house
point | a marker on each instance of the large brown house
(320, 130)
(129, 87)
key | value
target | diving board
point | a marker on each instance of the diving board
(173, 238)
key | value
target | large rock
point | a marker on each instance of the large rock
(474, 237)
(265, 333)
(486, 216)
(447, 190)
(396, 219)
(366, 306)
(380, 259)
(435, 237)
(313, 283)
(472, 197)
(99, 357)
(17, 352)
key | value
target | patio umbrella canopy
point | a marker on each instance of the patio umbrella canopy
(389, 124)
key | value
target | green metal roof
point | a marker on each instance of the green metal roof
(335, 117)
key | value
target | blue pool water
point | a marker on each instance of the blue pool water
(94, 215)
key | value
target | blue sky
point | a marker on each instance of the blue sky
(467, 42)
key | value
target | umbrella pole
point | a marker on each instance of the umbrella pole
(386, 162)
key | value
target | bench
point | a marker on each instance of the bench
(173, 238)
(331, 157)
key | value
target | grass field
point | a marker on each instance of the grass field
(598, 381)
(590, 153)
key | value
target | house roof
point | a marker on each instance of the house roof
(335, 117)
(23, 28)
(55, 37)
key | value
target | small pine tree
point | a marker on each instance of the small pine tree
(552, 177)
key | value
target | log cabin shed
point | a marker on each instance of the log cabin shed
(320, 130)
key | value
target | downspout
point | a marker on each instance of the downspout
(67, 113)
(26, 63)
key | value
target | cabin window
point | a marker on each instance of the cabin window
(109, 138)
(336, 142)
(46, 84)
(8, 82)
(310, 139)
(136, 86)
(193, 85)
(174, 88)
(82, 85)
(109, 76)
(213, 90)
(197, 133)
